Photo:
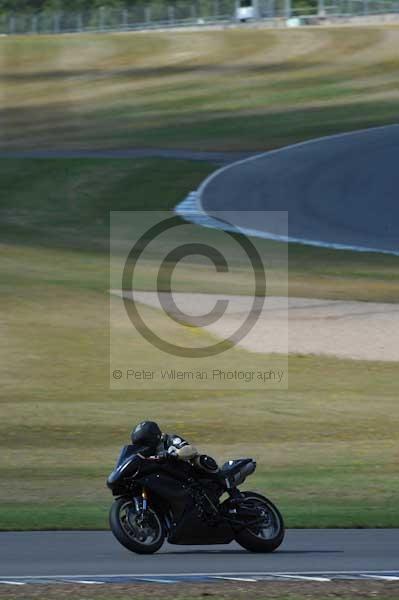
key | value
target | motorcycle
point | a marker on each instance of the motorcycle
(158, 498)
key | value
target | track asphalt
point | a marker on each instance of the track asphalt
(339, 191)
(95, 553)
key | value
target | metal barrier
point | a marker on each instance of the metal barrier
(183, 13)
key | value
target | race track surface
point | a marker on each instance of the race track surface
(339, 191)
(132, 153)
(97, 553)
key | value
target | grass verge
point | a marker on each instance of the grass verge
(326, 448)
(65, 204)
(234, 89)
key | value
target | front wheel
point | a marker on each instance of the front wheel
(139, 532)
(268, 532)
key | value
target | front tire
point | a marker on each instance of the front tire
(143, 536)
(265, 537)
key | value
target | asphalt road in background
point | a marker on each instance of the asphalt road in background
(92, 553)
(339, 190)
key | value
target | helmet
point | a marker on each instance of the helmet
(146, 433)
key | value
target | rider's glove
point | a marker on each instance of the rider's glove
(163, 455)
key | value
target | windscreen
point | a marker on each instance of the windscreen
(129, 450)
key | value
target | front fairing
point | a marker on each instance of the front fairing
(127, 465)
(126, 451)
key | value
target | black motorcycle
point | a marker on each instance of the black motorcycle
(158, 498)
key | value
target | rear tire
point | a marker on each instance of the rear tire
(125, 532)
(254, 541)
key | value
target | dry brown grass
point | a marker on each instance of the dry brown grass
(229, 88)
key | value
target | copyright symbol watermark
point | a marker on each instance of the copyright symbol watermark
(165, 293)
(185, 296)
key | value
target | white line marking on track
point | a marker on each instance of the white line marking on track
(12, 582)
(288, 239)
(156, 580)
(305, 577)
(383, 577)
(226, 577)
(89, 582)
(381, 572)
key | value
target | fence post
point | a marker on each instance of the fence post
(216, 8)
(101, 18)
(79, 23)
(147, 14)
(56, 23)
(287, 9)
(321, 9)
(11, 25)
(171, 15)
(124, 18)
(33, 25)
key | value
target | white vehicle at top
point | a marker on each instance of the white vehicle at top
(246, 10)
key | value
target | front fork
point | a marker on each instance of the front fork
(144, 500)
(141, 504)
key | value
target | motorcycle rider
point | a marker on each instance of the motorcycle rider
(161, 445)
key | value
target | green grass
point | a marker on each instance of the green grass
(65, 203)
(327, 447)
(234, 89)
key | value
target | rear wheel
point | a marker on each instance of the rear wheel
(139, 532)
(268, 532)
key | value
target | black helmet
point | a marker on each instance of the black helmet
(146, 433)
